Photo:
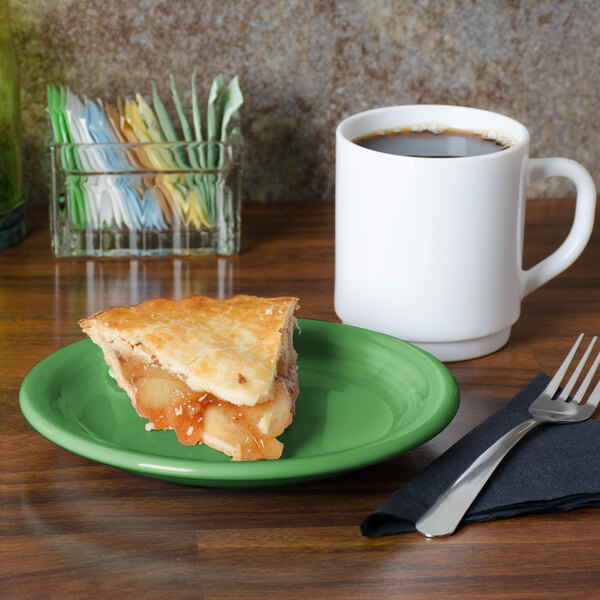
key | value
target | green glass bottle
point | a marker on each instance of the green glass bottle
(12, 197)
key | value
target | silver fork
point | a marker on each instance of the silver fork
(444, 516)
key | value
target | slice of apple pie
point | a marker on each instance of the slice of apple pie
(217, 372)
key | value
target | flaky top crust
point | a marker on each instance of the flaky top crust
(229, 348)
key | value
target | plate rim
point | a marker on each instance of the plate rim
(243, 474)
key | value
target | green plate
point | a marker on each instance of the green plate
(364, 398)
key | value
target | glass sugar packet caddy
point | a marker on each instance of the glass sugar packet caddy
(127, 179)
(147, 198)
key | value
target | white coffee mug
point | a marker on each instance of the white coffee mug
(429, 250)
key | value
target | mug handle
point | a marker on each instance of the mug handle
(583, 222)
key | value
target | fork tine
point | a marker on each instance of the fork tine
(586, 382)
(564, 395)
(558, 377)
(595, 395)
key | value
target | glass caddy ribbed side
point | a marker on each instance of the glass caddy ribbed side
(145, 199)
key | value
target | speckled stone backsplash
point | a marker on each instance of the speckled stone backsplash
(304, 65)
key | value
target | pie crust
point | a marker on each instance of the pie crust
(217, 372)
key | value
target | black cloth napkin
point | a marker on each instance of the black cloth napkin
(554, 468)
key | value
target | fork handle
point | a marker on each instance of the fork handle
(445, 515)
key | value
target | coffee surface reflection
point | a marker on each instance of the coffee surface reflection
(447, 143)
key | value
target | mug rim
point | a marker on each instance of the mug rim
(522, 135)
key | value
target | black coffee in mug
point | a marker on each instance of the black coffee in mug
(432, 143)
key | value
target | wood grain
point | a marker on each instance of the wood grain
(73, 527)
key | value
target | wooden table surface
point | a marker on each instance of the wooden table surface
(74, 528)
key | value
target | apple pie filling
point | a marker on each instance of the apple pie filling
(244, 432)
